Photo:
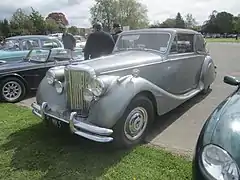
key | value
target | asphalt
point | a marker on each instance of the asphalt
(179, 129)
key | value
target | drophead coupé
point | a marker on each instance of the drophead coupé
(115, 98)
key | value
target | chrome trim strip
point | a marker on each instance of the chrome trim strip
(58, 118)
(149, 64)
(94, 137)
(36, 113)
(87, 127)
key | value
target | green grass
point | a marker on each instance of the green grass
(31, 151)
(233, 40)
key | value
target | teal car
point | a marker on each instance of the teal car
(17, 47)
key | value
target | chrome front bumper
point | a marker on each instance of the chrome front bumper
(77, 126)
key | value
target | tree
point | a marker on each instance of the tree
(4, 28)
(58, 17)
(168, 23)
(104, 11)
(38, 22)
(179, 21)
(224, 22)
(73, 30)
(190, 21)
(126, 12)
(20, 23)
(51, 26)
(219, 22)
(236, 24)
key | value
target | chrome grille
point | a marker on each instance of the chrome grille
(76, 82)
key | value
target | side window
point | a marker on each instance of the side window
(200, 43)
(185, 43)
(173, 49)
(29, 44)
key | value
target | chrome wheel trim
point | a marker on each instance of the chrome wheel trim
(11, 91)
(136, 123)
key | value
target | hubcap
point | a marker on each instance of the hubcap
(136, 123)
(11, 91)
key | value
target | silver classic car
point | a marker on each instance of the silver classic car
(115, 98)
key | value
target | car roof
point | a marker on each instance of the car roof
(31, 37)
(167, 30)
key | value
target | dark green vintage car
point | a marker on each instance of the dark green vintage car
(217, 154)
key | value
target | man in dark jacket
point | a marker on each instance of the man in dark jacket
(69, 42)
(117, 30)
(99, 43)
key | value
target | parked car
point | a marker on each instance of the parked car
(217, 151)
(80, 41)
(115, 98)
(17, 47)
(20, 77)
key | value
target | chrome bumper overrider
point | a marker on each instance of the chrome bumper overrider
(77, 126)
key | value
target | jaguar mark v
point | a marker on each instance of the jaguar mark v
(115, 98)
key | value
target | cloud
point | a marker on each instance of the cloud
(200, 9)
(77, 11)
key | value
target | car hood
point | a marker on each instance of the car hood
(227, 131)
(12, 54)
(121, 61)
(17, 66)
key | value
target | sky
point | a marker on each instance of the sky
(77, 11)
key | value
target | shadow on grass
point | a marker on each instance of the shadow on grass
(58, 154)
(163, 122)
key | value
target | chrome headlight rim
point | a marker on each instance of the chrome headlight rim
(59, 86)
(50, 76)
(97, 86)
(227, 162)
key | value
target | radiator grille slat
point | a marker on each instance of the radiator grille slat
(76, 82)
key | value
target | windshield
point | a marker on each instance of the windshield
(143, 41)
(11, 45)
(58, 54)
(64, 54)
(39, 55)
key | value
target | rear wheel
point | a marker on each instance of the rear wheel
(132, 128)
(12, 90)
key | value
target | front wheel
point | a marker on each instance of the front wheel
(132, 128)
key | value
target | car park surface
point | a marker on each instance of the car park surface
(179, 129)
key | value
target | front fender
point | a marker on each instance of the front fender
(108, 109)
(47, 93)
(3, 76)
(208, 73)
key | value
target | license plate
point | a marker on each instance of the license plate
(57, 123)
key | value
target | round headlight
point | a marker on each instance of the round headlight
(88, 95)
(219, 164)
(96, 87)
(59, 87)
(50, 75)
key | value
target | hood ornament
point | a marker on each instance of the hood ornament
(135, 73)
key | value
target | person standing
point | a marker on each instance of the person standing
(99, 43)
(117, 30)
(69, 42)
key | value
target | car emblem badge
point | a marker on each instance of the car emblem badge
(135, 72)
